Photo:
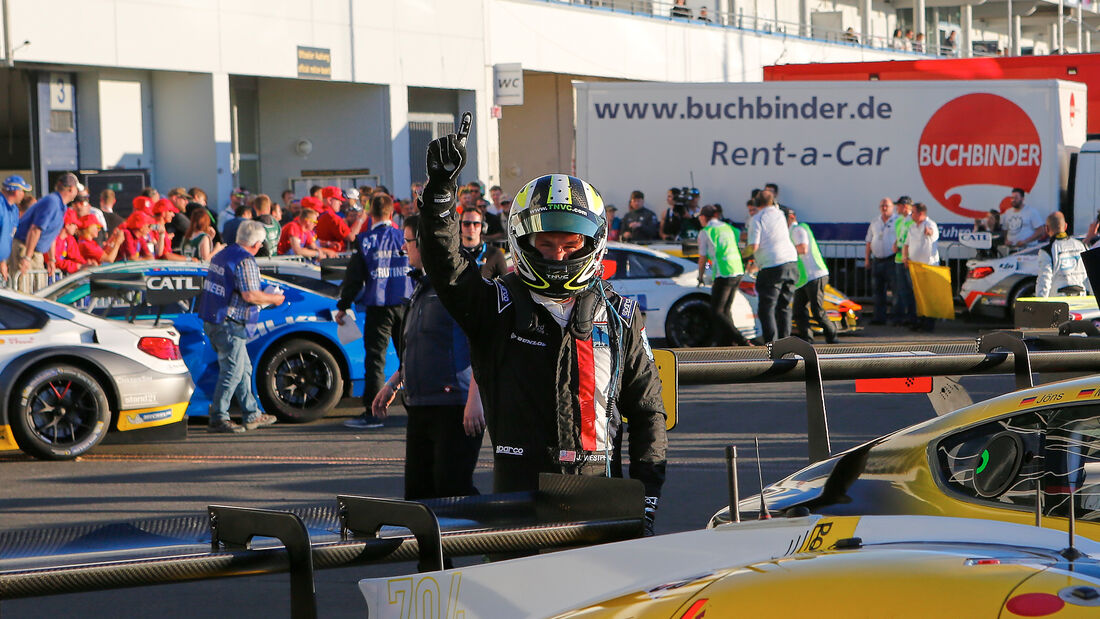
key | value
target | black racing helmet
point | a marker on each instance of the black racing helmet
(558, 203)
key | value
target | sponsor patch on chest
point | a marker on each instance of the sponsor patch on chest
(504, 298)
(528, 341)
(600, 336)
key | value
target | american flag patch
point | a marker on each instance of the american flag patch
(567, 456)
(1085, 393)
(1027, 400)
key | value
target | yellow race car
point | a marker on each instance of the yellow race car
(1012, 458)
(817, 566)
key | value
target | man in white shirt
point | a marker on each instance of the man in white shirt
(1023, 225)
(879, 256)
(922, 246)
(775, 255)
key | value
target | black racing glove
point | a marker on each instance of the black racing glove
(446, 158)
(650, 515)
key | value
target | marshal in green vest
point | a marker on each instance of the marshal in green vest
(901, 232)
(724, 255)
(815, 255)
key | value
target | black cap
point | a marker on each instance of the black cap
(904, 200)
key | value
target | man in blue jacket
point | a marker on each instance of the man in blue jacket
(377, 282)
(32, 249)
(231, 300)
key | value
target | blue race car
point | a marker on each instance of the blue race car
(304, 363)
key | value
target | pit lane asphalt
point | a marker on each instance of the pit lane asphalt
(298, 464)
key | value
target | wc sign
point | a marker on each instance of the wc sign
(508, 84)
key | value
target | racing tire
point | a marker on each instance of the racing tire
(688, 323)
(59, 413)
(299, 381)
(1025, 288)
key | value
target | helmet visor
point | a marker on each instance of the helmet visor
(557, 218)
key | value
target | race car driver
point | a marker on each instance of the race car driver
(559, 357)
(1061, 271)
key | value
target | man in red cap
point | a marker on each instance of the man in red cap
(332, 231)
(66, 252)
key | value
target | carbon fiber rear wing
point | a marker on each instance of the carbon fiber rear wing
(232, 541)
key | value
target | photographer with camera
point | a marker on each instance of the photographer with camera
(680, 220)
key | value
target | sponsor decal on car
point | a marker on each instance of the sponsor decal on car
(1043, 399)
(15, 340)
(259, 329)
(149, 417)
(135, 399)
(143, 418)
(174, 282)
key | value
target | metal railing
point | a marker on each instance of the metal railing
(31, 281)
(752, 21)
(848, 271)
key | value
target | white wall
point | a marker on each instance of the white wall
(183, 136)
(395, 40)
(631, 47)
(348, 124)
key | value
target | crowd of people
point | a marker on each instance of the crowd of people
(903, 233)
(68, 229)
(791, 274)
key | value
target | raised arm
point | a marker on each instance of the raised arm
(458, 284)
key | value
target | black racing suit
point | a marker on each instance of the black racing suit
(531, 377)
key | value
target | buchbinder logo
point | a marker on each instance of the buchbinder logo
(974, 150)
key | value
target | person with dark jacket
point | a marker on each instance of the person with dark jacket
(490, 259)
(435, 374)
(559, 358)
(377, 282)
(640, 223)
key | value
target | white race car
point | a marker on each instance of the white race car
(67, 378)
(993, 285)
(676, 307)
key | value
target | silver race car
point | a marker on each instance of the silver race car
(68, 379)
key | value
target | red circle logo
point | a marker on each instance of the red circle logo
(974, 144)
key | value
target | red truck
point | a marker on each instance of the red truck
(1084, 68)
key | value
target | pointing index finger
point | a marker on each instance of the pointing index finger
(464, 127)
